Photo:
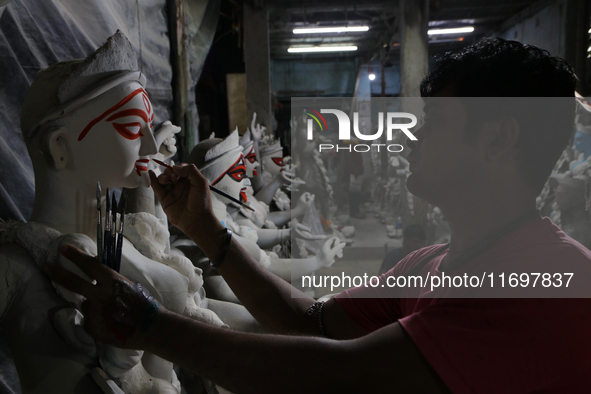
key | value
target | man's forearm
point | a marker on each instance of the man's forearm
(256, 363)
(272, 301)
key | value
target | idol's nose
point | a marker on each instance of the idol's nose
(148, 146)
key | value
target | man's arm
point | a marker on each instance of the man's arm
(274, 303)
(386, 360)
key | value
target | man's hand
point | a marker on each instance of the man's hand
(115, 312)
(184, 195)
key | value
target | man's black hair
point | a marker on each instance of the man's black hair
(414, 230)
(495, 67)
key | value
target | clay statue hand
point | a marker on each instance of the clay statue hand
(116, 312)
(288, 178)
(290, 167)
(165, 140)
(256, 130)
(184, 195)
(304, 203)
(304, 232)
(331, 250)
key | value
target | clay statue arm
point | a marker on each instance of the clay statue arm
(271, 237)
(257, 183)
(266, 193)
(294, 269)
(388, 359)
(280, 218)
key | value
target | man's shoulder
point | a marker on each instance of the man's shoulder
(544, 240)
(414, 258)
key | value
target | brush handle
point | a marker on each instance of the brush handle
(106, 247)
(99, 242)
(229, 197)
(117, 262)
(112, 250)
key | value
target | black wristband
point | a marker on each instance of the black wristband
(225, 248)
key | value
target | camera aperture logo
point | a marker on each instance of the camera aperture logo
(345, 130)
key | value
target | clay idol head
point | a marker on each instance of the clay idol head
(272, 158)
(250, 157)
(92, 117)
(221, 161)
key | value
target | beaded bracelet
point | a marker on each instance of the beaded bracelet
(317, 306)
(150, 311)
(225, 248)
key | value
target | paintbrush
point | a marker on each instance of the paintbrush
(117, 264)
(213, 189)
(107, 237)
(113, 232)
(99, 224)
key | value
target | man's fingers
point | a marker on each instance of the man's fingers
(90, 265)
(159, 190)
(192, 173)
(70, 280)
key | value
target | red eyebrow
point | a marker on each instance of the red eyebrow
(129, 112)
(109, 111)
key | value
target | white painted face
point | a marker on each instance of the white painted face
(112, 137)
(252, 165)
(273, 163)
(233, 180)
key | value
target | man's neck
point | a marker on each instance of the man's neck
(482, 218)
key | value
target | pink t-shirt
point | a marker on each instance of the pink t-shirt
(494, 345)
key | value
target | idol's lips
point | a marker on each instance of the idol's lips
(243, 196)
(141, 165)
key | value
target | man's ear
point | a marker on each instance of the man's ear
(502, 138)
(56, 141)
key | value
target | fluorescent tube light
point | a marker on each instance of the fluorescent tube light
(455, 30)
(321, 49)
(339, 29)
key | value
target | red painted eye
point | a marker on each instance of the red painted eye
(278, 161)
(251, 157)
(237, 172)
(131, 131)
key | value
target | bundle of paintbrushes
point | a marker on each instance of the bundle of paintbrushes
(109, 240)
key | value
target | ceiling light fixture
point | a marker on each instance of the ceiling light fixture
(338, 29)
(455, 30)
(372, 76)
(322, 49)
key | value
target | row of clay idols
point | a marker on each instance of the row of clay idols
(86, 121)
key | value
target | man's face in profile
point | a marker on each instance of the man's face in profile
(444, 164)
